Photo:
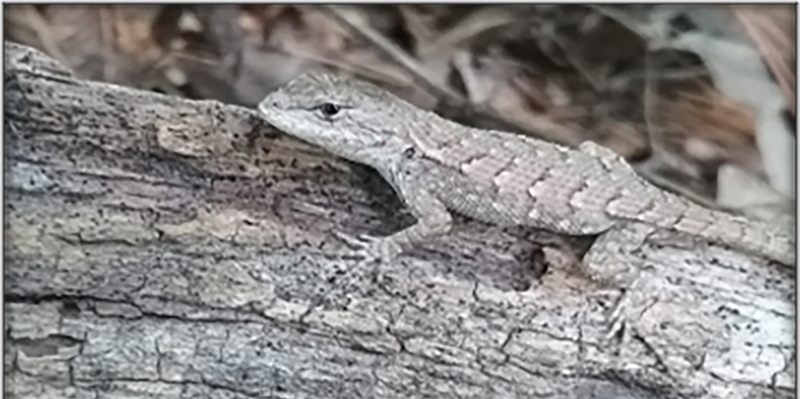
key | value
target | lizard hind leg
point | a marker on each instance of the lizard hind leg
(615, 257)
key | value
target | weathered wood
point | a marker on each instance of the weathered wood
(159, 247)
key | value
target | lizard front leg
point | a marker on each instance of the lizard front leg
(612, 258)
(433, 219)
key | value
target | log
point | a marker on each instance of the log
(161, 247)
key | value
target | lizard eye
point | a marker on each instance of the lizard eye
(329, 109)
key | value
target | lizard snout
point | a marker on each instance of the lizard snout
(277, 100)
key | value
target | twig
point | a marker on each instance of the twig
(682, 74)
(355, 25)
(577, 62)
(480, 21)
(659, 153)
(647, 170)
(769, 51)
(656, 139)
(645, 29)
(43, 31)
(453, 102)
(366, 70)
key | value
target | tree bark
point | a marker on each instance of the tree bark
(161, 247)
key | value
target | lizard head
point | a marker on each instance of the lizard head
(349, 118)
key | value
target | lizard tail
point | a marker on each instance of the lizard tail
(747, 235)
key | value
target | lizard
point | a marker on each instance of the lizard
(437, 166)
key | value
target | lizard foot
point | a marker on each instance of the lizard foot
(614, 261)
(385, 249)
(379, 250)
(617, 317)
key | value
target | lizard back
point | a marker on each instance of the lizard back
(508, 179)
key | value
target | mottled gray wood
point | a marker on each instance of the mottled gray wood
(159, 247)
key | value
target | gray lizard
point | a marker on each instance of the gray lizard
(436, 165)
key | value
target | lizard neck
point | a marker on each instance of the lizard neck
(389, 155)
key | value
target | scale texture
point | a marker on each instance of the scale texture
(438, 166)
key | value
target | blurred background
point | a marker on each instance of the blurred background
(701, 99)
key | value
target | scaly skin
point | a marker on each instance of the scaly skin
(436, 165)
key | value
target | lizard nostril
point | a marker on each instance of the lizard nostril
(278, 100)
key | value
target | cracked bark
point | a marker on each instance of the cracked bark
(160, 247)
